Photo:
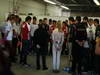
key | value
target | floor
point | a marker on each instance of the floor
(19, 70)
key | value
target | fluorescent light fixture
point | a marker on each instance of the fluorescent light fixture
(48, 1)
(65, 7)
(96, 2)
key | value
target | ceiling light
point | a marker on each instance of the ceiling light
(96, 2)
(48, 1)
(65, 7)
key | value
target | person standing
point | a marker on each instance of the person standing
(97, 48)
(41, 38)
(51, 29)
(9, 35)
(16, 30)
(80, 38)
(65, 30)
(58, 39)
(91, 30)
(25, 36)
(33, 27)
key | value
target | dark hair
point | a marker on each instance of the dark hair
(16, 16)
(54, 21)
(50, 20)
(11, 17)
(78, 18)
(85, 18)
(96, 20)
(40, 19)
(90, 20)
(28, 18)
(71, 19)
(45, 19)
(66, 20)
(20, 19)
(34, 18)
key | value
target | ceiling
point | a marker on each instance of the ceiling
(81, 5)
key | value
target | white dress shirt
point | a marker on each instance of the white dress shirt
(8, 29)
(33, 27)
(91, 32)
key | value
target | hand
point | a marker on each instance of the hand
(38, 46)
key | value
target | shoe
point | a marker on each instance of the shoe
(54, 71)
(74, 73)
(45, 68)
(38, 68)
(57, 71)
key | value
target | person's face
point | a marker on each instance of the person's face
(50, 22)
(54, 23)
(66, 22)
(70, 22)
(34, 21)
(16, 19)
(12, 21)
(84, 20)
(45, 21)
(40, 22)
(63, 24)
(90, 22)
(29, 21)
(95, 23)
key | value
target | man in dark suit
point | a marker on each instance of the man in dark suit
(41, 37)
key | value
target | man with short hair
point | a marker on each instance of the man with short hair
(41, 38)
(33, 28)
(25, 35)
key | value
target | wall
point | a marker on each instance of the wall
(5, 7)
(37, 7)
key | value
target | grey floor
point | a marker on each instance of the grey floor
(19, 70)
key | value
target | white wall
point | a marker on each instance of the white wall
(29, 6)
(53, 10)
(5, 6)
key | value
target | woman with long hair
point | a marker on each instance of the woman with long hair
(58, 38)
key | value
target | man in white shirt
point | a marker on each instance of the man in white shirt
(91, 29)
(33, 28)
(9, 35)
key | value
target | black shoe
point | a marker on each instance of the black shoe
(74, 73)
(54, 71)
(45, 68)
(57, 71)
(38, 68)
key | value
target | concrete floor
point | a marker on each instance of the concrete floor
(19, 70)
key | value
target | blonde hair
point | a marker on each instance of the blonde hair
(59, 26)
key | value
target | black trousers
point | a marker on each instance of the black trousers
(50, 51)
(77, 57)
(97, 64)
(38, 57)
(14, 46)
(85, 59)
(24, 52)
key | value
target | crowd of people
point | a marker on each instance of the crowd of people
(50, 37)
